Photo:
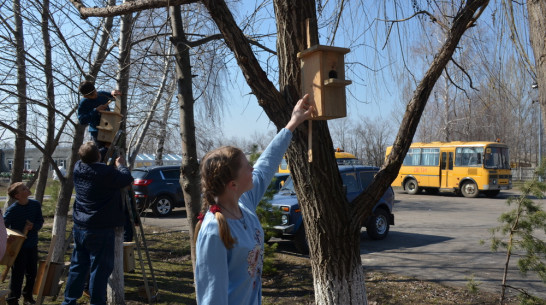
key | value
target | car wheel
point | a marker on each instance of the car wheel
(300, 241)
(162, 206)
(470, 190)
(378, 226)
(492, 194)
(411, 187)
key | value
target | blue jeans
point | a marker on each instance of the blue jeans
(93, 253)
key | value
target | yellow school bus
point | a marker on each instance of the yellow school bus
(342, 158)
(469, 168)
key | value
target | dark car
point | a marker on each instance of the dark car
(355, 179)
(158, 188)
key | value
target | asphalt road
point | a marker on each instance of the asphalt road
(436, 238)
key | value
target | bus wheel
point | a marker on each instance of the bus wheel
(411, 187)
(470, 190)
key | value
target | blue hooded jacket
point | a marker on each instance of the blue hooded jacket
(98, 202)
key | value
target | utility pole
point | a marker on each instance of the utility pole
(535, 86)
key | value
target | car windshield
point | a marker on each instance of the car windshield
(288, 185)
(138, 173)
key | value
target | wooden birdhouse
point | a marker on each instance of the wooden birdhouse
(323, 78)
(109, 124)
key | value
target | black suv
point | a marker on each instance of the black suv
(158, 188)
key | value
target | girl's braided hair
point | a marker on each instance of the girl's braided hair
(218, 168)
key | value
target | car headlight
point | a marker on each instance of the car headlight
(284, 219)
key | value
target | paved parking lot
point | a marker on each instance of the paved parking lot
(437, 237)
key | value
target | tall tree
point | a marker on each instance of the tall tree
(116, 292)
(49, 146)
(190, 178)
(537, 27)
(332, 224)
(20, 60)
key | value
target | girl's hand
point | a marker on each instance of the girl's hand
(302, 112)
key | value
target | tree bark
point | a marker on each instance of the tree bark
(190, 178)
(20, 60)
(116, 291)
(537, 27)
(338, 276)
(126, 7)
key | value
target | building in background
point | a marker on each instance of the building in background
(61, 156)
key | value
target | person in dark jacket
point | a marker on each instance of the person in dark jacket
(98, 210)
(24, 215)
(90, 107)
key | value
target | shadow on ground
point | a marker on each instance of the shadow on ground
(398, 240)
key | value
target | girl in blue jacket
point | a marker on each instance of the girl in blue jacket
(229, 237)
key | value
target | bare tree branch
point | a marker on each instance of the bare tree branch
(466, 73)
(514, 36)
(125, 8)
(432, 18)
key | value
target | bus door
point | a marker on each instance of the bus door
(446, 169)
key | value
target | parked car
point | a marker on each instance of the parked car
(356, 179)
(158, 188)
(278, 181)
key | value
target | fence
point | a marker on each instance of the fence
(523, 173)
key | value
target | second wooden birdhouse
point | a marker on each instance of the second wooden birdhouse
(323, 77)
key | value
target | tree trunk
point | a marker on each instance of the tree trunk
(190, 178)
(125, 40)
(337, 279)
(20, 59)
(49, 146)
(537, 27)
(163, 126)
(116, 291)
(65, 196)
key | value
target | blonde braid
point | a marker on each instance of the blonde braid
(218, 167)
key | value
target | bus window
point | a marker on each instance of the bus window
(430, 157)
(496, 157)
(413, 157)
(444, 159)
(468, 156)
